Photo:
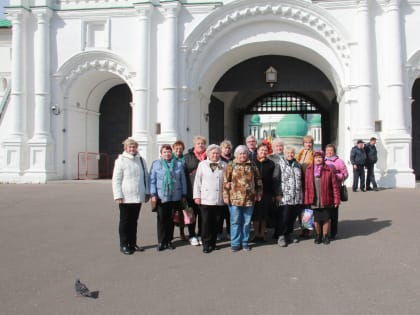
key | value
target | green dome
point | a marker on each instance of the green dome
(316, 120)
(291, 125)
(255, 120)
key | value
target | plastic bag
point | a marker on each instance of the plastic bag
(308, 219)
(189, 216)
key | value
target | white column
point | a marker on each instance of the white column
(365, 61)
(396, 135)
(17, 94)
(395, 101)
(40, 146)
(14, 145)
(141, 89)
(167, 114)
(42, 74)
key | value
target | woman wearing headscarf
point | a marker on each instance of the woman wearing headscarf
(341, 173)
(130, 187)
(321, 193)
(208, 195)
(242, 187)
(168, 187)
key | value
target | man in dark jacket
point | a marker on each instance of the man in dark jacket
(358, 160)
(371, 159)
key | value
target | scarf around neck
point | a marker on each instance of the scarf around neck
(317, 170)
(200, 156)
(168, 179)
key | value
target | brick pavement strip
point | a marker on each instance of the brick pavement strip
(52, 234)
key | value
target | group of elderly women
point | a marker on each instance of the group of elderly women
(262, 188)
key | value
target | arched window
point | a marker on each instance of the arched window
(283, 102)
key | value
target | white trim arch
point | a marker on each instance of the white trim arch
(413, 69)
(86, 62)
(237, 23)
(84, 80)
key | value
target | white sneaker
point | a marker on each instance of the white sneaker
(194, 241)
(199, 240)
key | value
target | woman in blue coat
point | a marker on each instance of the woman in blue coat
(168, 187)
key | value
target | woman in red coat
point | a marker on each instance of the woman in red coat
(322, 192)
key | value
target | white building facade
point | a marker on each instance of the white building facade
(170, 56)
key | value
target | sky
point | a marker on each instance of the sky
(3, 3)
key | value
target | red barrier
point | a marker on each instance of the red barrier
(88, 166)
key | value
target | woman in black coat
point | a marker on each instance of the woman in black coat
(265, 206)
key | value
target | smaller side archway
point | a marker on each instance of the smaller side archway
(85, 81)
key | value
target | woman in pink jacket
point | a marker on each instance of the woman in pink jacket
(332, 160)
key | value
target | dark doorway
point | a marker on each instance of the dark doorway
(216, 121)
(114, 126)
(415, 127)
(244, 83)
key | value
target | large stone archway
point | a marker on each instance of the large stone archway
(241, 31)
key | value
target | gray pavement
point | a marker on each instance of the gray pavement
(52, 234)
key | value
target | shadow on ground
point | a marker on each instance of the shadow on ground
(352, 228)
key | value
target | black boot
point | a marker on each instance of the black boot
(326, 239)
(318, 239)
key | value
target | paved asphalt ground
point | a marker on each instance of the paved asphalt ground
(52, 234)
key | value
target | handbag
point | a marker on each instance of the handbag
(344, 194)
(177, 218)
(308, 219)
(188, 212)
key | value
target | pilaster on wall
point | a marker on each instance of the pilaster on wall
(167, 107)
(365, 103)
(14, 145)
(396, 137)
(141, 83)
(41, 145)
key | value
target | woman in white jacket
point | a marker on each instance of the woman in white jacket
(208, 194)
(130, 186)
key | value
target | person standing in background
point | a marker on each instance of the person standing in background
(251, 143)
(226, 156)
(358, 160)
(178, 153)
(194, 156)
(371, 159)
(332, 160)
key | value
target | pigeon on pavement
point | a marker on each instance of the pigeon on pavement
(82, 290)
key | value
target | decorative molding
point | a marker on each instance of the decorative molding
(291, 11)
(92, 61)
(413, 68)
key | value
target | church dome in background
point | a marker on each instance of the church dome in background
(315, 120)
(255, 120)
(292, 125)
